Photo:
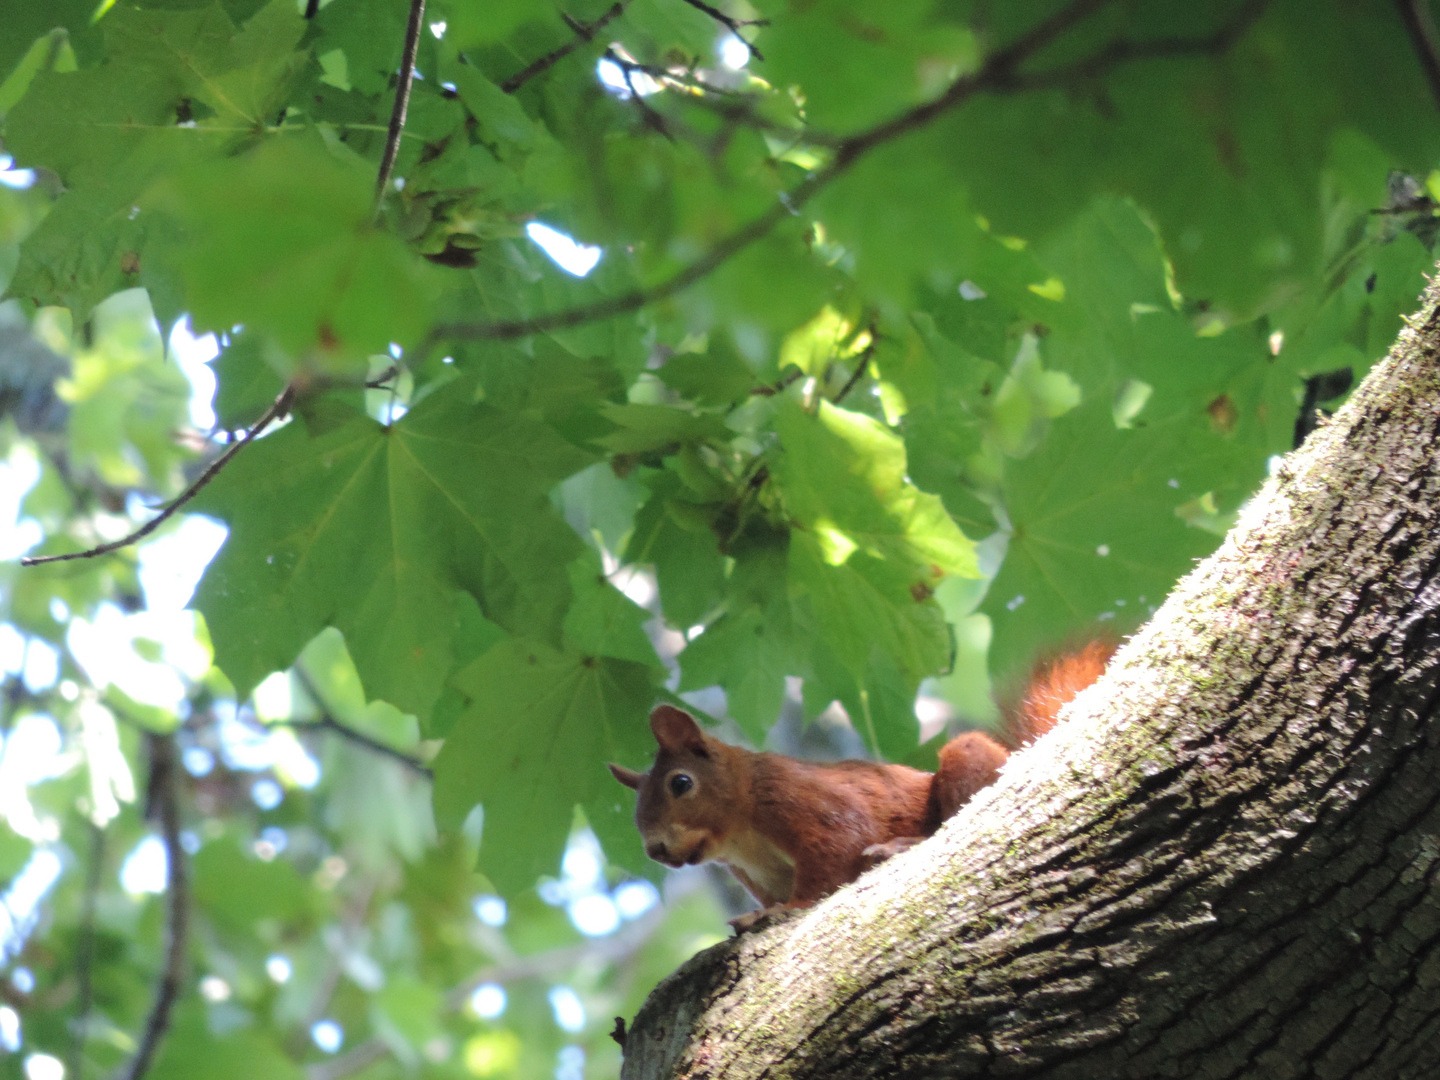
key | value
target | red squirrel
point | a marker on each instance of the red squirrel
(795, 831)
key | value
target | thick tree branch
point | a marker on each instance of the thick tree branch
(1420, 25)
(998, 74)
(162, 798)
(584, 34)
(402, 97)
(280, 408)
(1221, 864)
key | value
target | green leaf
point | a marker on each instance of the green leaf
(14, 853)
(408, 1013)
(603, 621)
(242, 77)
(373, 530)
(1197, 139)
(652, 428)
(476, 24)
(302, 263)
(749, 657)
(533, 743)
(246, 384)
(843, 477)
(864, 606)
(235, 889)
(671, 534)
(858, 62)
(370, 35)
(715, 377)
(51, 52)
(191, 1051)
(1095, 532)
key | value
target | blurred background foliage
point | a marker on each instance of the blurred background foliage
(820, 382)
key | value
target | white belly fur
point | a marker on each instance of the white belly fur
(760, 860)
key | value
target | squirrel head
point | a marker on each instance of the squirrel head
(689, 798)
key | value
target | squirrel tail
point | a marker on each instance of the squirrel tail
(972, 761)
(1053, 683)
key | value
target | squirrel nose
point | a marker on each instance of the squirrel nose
(657, 852)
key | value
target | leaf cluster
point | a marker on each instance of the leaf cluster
(929, 337)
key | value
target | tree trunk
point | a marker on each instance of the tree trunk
(1226, 863)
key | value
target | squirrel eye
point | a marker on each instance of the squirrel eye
(680, 783)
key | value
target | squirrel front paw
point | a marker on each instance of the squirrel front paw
(752, 920)
(875, 854)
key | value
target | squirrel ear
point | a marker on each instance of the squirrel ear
(675, 729)
(629, 777)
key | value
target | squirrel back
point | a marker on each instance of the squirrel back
(794, 831)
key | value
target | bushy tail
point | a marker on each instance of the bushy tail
(1053, 682)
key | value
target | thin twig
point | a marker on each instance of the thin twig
(163, 801)
(627, 68)
(862, 364)
(326, 722)
(85, 954)
(584, 34)
(402, 97)
(1419, 24)
(997, 75)
(733, 25)
(771, 389)
(280, 408)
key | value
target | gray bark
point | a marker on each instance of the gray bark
(1225, 863)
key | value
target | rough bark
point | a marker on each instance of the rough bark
(1225, 863)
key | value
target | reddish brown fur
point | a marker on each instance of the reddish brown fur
(1052, 683)
(794, 831)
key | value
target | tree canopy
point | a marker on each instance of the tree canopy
(838, 355)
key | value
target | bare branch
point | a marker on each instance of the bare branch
(996, 75)
(163, 805)
(584, 33)
(280, 408)
(1419, 24)
(402, 97)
